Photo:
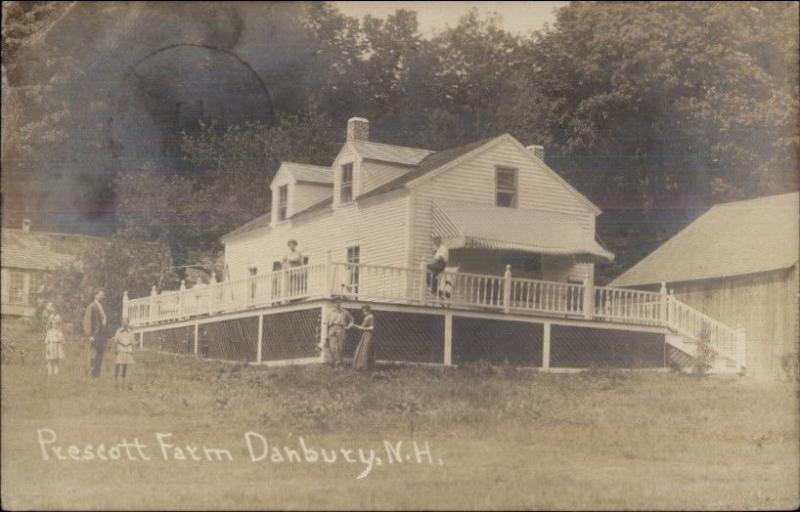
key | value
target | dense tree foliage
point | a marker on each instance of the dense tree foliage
(645, 107)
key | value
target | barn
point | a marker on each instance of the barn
(737, 263)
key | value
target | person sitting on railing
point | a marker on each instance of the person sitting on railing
(440, 258)
(198, 288)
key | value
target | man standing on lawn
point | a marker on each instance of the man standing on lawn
(339, 320)
(94, 327)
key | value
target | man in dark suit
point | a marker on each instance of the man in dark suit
(95, 328)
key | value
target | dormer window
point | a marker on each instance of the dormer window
(506, 187)
(346, 187)
(283, 202)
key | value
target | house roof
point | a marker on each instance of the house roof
(390, 153)
(309, 173)
(262, 221)
(430, 163)
(27, 251)
(463, 224)
(730, 239)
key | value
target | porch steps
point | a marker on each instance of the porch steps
(721, 364)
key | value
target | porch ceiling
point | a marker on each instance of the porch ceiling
(469, 225)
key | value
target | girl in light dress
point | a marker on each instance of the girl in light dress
(53, 344)
(123, 341)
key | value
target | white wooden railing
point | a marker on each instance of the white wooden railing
(378, 283)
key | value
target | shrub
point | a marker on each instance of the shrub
(704, 357)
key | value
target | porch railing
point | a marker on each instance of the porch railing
(378, 283)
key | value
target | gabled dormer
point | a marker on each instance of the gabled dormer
(297, 187)
(363, 165)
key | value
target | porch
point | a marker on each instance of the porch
(487, 296)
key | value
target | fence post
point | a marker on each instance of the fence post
(741, 346)
(125, 305)
(181, 293)
(588, 298)
(152, 313)
(507, 290)
(328, 280)
(663, 318)
(260, 339)
(423, 282)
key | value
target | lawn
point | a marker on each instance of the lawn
(486, 437)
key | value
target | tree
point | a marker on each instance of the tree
(664, 100)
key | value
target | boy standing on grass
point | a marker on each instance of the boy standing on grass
(123, 341)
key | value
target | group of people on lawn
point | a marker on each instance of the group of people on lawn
(97, 331)
(338, 322)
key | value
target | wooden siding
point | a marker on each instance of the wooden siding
(474, 181)
(764, 304)
(374, 174)
(378, 225)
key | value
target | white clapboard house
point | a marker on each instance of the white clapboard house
(519, 286)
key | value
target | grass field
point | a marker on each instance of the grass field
(498, 437)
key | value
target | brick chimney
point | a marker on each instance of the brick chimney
(26, 225)
(537, 151)
(357, 128)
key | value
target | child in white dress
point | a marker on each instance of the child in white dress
(53, 344)
(123, 341)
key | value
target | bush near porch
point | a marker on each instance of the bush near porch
(509, 438)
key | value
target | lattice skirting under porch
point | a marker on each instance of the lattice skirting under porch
(416, 335)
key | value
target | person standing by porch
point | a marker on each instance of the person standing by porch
(94, 327)
(364, 358)
(440, 258)
(53, 343)
(339, 320)
(123, 341)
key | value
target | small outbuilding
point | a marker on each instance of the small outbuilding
(737, 263)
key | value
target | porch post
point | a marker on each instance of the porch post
(323, 328)
(259, 355)
(448, 339)
(212, 292)
(196, 328)
(588, 298)
(125, 305)
(507, 290)
(152, 313)
(423, 286)
(546, 347)
(663, 304)
(181, 293)
(328, 281)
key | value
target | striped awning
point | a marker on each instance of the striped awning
(467, 225)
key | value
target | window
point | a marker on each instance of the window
(36, 286)
(346, 187)
(283, 202)
(353, 258)
(506, 187)
(16, 288)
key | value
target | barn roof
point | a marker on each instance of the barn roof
(27, 251)
(730, 239)
(309, 173)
